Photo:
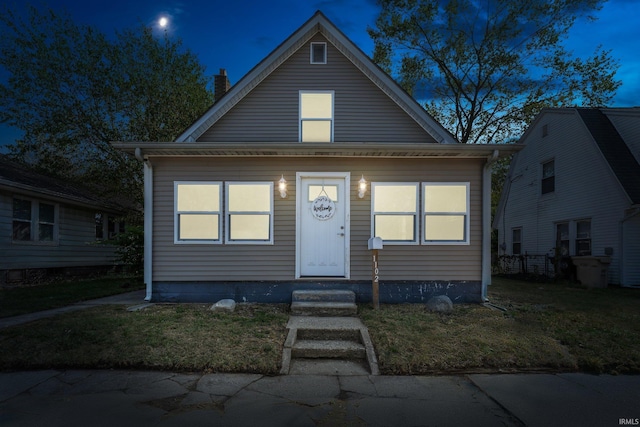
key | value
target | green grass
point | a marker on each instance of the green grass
(164, 337)
(547, 327)
(59, 294)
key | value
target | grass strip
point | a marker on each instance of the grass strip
(22, 300)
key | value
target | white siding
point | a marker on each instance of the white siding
(184, 262)
(585, 188)
(631, 252)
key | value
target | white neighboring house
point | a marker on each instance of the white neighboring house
(576, 186)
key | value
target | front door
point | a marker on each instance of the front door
(323, 225)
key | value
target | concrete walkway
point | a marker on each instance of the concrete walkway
(126, 398)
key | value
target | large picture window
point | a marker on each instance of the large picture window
(316, 116)
(197, 212)
(446, 213)
(249, 212)
(394, 212)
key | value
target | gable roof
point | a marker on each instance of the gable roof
(614, 149)
(318, 23)
(25, 180)
(611, 144)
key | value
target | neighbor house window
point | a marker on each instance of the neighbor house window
(583, 237)
(318, 53)
(197, 212)
(316, 116)
(34, 221)
(548, 177)
(516, 241)
(446, 213)
(394, 212)
(562, 238)
(99, 219)
(249, 212)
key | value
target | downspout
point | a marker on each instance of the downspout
(486, 223)
(148, 222)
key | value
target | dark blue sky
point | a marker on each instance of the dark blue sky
(237, 34)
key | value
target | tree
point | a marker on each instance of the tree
(485, 68)
(73, 91)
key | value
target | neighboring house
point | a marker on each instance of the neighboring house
(51, 228)
(576, 187)
(281, 184)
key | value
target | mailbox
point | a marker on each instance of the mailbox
(375, 243)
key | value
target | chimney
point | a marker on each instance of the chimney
(220, 84)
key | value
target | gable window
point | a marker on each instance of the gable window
(197, 212)
(516, 241)
(34, 221)
(249, 211)
(318, 53)
(316, 116)
(395, 212)
(548, 177)
(446, 213)
(583, 237)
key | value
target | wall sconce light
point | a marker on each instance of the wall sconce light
(362, 187)
(282, 186)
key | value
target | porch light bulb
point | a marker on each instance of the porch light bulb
(362, 187)
(282, 186)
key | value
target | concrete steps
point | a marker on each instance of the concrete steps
(327, 349)
(324, 336)
(323, 303)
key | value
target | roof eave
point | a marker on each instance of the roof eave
(379, 150)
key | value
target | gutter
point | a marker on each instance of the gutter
(486, 223)
(148, 222)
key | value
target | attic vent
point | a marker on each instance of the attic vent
(318, 53)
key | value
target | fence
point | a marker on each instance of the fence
(526, 265)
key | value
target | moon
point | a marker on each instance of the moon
(163, 22)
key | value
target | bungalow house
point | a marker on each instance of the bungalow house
(281, 184)
(576, 187)
(51, 228)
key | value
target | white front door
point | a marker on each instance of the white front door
(323, 216)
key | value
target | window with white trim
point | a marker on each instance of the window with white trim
(316, 116)
(34, 221)
(394, 212)
(516, 241)
(249, 212)
(197, 212)
(318, 54)
(445, 213)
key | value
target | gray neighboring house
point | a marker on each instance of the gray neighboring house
(51, 228)
(576, 186)
(281, 184)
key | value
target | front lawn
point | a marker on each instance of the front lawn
(30, 299)
(546, 327)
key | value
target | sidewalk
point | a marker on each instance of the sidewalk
(127, 398)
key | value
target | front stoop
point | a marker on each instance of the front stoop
(323, 303)
(328, 346)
